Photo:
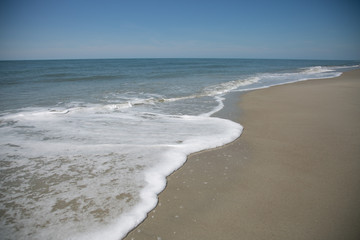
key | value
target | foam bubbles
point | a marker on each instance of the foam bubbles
(66, 171)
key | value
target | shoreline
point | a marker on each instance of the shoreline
(292, 174)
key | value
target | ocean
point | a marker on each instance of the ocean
(86, 145)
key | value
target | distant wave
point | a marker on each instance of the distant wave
(65, 77)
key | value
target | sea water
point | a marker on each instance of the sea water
(86, 145)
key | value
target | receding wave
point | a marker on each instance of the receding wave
(89, 170)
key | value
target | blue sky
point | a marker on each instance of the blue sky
(67, 29)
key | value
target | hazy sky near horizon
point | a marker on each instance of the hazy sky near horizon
(67, 29)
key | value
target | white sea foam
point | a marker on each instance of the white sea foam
(266, 80)
(317, 69)
(217, 89)
(89, 165)
(226, 87)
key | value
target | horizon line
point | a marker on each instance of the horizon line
(132, 58)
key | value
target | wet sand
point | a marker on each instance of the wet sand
(293, 174)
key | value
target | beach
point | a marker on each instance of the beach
(292, 174)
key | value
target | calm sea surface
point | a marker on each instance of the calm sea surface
(86, 145)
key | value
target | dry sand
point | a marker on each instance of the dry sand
(293, 174)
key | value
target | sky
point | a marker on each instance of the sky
(82, 29)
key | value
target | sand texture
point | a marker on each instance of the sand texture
(293, 174)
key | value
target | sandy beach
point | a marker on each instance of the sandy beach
(293, 174)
